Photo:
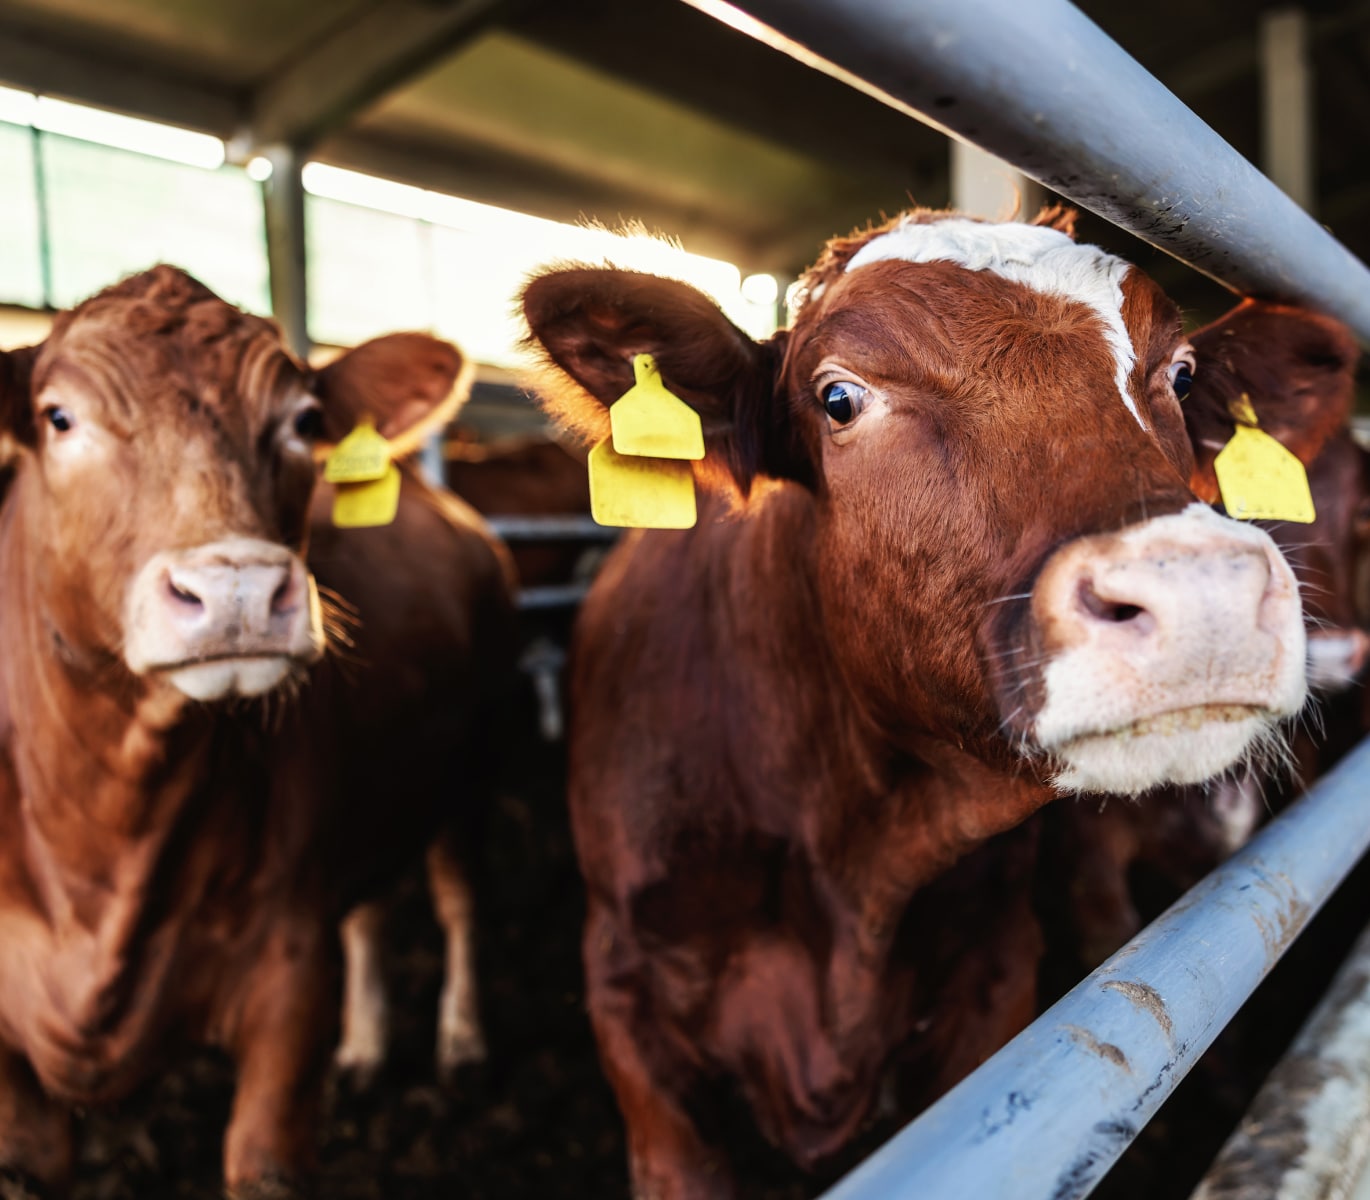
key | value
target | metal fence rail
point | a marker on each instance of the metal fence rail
(1038, 84)
(1047, 1116)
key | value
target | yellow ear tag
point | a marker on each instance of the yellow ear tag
(361, 457)
(367, 504)
(648, 421)
(640, 493)
(1260, 480)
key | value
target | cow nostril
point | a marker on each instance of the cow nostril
(281, 598)
(1106, 610)
(183, 595)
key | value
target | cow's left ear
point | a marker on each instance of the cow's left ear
(16, 400)
(1296, 367)
(408, 383)
(591, 322)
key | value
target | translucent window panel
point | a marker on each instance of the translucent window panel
(21, 271)
(112, 212)
(476, 282)
(369, 272)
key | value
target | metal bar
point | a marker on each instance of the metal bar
(558, 528)
(1050, 1113)
(283, 202)
(1306, 1136)
(558, 595)
(1038, 84)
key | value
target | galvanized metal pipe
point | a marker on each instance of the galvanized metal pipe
(1306, 1136)
(569, 527)
(1047, 1116)
(1038, 84)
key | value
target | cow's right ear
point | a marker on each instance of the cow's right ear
(591, 322)
(16, 401)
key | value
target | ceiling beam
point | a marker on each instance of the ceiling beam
(33, 64)
(354, 66)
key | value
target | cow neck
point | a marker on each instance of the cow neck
(881, 818)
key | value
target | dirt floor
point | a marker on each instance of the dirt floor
(538, 1121)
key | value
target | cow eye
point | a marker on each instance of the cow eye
(59, 418)
(309, 423)
(1181, 379)
(843, 400)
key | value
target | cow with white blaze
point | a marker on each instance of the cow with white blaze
(948, 565)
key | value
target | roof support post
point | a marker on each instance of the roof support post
(1287, 133)
(283, 202)
(985, 186)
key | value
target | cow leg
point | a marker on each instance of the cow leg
(365, 1012)
(460, 1039)
(286, 1024)
(35, 1131)
(668, 1158)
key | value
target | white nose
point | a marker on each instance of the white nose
(1188, 624)
(237, 599)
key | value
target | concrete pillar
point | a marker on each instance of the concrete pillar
(1287, 132)
(985, 186)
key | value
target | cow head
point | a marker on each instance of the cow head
(162, 446)
(1297, 370)
(989, 422)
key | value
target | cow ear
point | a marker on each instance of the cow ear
(16, 401)
(408, 383)
(1297, 367)
(591, 322)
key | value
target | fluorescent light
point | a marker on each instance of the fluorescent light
(259, 169)
(17, 107)
(129, 133)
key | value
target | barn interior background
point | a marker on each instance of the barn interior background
(358, 166)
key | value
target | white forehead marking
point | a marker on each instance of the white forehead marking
(1044, 259)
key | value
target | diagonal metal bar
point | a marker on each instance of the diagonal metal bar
(1038, 84)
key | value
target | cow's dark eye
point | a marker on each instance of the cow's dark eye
(843, 400)
(59, 418)
(1181, 379)
(309, 423)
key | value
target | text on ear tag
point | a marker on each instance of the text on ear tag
(640, 493)
(361, 457)
(649, 421)
(367, 504)
(1259, 479)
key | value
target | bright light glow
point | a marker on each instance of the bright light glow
(128, 133)
(259, 169)
(18, 108)
(760, 289)
(532, 241)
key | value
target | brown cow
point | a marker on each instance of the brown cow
(1298, 371)
(949, 566)
(190, 799)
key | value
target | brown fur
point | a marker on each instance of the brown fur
(794, 723)
(171, 871)
(1298, 369)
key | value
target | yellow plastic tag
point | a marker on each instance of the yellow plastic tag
(640, 493)
(361, 457)
(1259, 479)
(364, 505)
(648, 421)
